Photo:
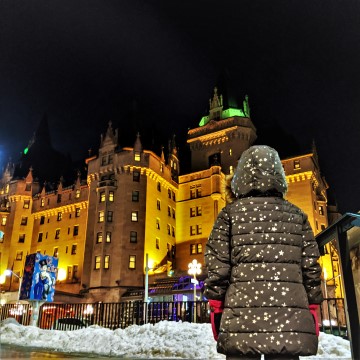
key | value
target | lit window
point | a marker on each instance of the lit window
(42, 202)
(109, 217)
(24, 220)
(21, 238)
(40, 237)
(158, 224)
(162, 167)
(296, 164)
(198, 211)
(157, 244)
(73, 249)
(132, 262)
(26, 204)
(102, 196)
(57, 233)
(108, 236)
(321, 210)
(195, 249)
(101, 216)
(111, 196)
(231, 169)
(106, 261)
(199, 229)
(134, 216)
(76, 230)
(230, 152)
(77, 194)
(3, 220)
(133, 236)
(136, 176)
(59, 216)
(56, 251)
(137, 156)
(99, 237)
(19, 255)
(158, 206)
(77, 212)
(135, 196)
(97, 262)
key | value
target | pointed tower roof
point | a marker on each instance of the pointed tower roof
(29, 177)
(60, 186)
(138, 145)
(110, 138)
(162, 155)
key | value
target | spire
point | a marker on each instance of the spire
(110, 138)
(216, 101)
(137, 145)
(78, 180)
(162, 154)
(60, 186)
(29, 177)
(43, 191)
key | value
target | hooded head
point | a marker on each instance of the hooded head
(259, 170)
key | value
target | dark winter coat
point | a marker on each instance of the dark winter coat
(261, 258)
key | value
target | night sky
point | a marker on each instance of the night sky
(151, 66)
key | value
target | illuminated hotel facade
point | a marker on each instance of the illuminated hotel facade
(135, 202)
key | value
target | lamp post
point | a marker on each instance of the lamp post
(10, 272)
(194, 268)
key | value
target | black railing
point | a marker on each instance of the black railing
(20, 312)
(331, 314)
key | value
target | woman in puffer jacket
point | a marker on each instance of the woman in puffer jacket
(263, 272)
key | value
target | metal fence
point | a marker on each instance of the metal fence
(331, 314)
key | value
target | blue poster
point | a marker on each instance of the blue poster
(39, 278)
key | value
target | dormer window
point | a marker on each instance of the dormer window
(137, 156)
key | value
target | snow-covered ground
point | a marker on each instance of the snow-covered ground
(166, 339)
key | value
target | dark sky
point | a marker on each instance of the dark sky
(151, 66)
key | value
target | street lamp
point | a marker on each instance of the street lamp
(194, 268)
(8, 273)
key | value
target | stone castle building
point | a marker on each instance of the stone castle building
(135, 202)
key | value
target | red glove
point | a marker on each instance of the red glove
(313, 309)
(216, 308)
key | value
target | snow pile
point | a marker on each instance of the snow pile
(166, 339)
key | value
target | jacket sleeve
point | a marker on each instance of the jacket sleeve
(311, 269)
(217, 258)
